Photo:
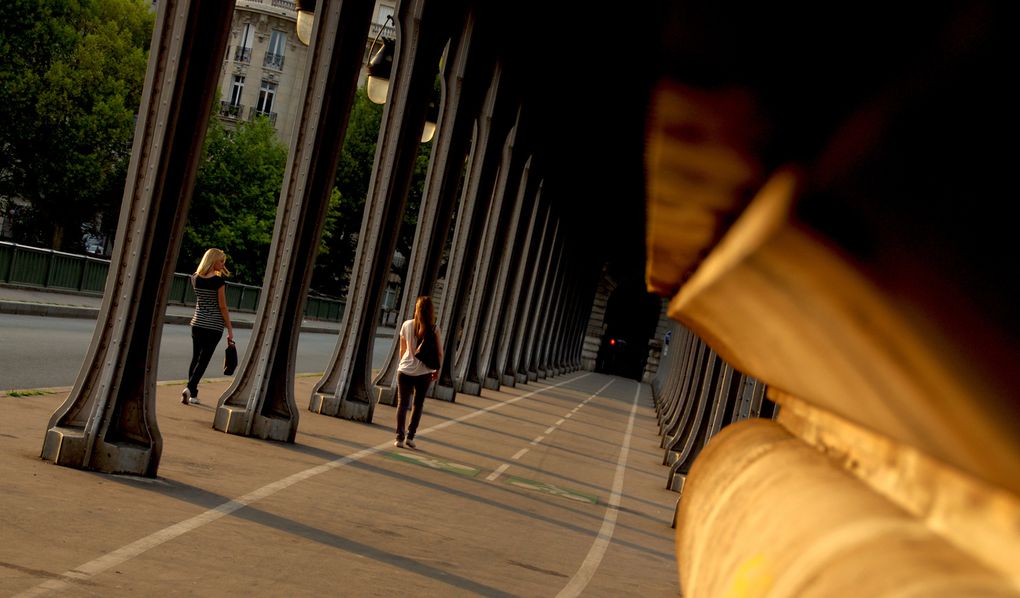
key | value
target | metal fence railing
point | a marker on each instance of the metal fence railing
(45, 268)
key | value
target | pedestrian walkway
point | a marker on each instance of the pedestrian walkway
(553, 488)
(45, 302)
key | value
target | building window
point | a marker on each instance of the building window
(236, 89)
(243, 51)
(264, 107)
(274, 55)
(232, 109)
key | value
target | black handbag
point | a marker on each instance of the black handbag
(428, 351)
(230, 359)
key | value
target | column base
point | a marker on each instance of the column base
(386, 395)
(471, 388)
(509, 380)
(357, 411)
(274, 428)
(67, 447)
(521, 378)
(444, 393)
(532, 376)
(490, 383)
(324, 404)
(231, 420)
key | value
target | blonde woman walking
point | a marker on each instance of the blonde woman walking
(211, 316)
(421, 356)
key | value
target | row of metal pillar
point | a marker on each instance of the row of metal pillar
(696, 395)
(518, 284)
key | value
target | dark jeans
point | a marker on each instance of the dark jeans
(406, 384)
(203, 345)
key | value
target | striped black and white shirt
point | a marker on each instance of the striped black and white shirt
(207, 302)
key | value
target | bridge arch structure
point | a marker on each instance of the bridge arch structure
(815, 198)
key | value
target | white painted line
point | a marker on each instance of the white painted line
(519, 454)
(537, 440)
(561, 421)
(591, 563)
(568, 415)
(499, 470)
(130, 551)
(549, 430)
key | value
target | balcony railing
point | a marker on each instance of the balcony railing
(242, 54)
(231, 111)
(256, 112)
(273, 61)
(390, 32)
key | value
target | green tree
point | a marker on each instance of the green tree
(71, 76)
(347, 203)
(236, 193)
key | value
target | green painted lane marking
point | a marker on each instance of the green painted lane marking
(550, 489)
(457, 468)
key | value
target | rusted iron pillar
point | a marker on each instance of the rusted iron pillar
(260, 402)
(423, 31)
(472, 63)
(493, 126)
(108, 422)
(514, 299)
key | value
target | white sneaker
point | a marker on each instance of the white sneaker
(410, 443)
(186, 396)
(398, 443)
(195, 401)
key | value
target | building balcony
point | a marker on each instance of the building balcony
(390, 32)
(242, 54)
(280, 8)
(255, 112)
(273, 61)
(231, 111)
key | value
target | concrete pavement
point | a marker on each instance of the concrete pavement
(551, 488)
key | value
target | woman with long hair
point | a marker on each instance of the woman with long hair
(418, 336)
(211, 316)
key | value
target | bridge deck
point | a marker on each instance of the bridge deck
(553, 488)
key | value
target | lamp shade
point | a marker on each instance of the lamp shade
(305, 19)
(431, 118)
(379, 68)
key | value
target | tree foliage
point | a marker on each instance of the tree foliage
(236, 193)
(71, 76)
(347, 203)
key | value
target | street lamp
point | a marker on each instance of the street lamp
(380, 66)
(305, 19)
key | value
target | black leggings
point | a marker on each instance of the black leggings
(405, 384)
(203, 345)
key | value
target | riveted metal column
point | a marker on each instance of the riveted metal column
(493, 126)
(504, 208)
(563, 337)
(551, 313)
(473, 61)
(108, 422)
(514, 303)
(541, 315)
(525, 369)
(506, 279)
(345, 389)
(260, 402)
(540, 240)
